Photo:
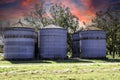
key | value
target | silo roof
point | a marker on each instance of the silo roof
(53, 26)
(21, 28)
(89, 29)
(92, 28)
(18, 25)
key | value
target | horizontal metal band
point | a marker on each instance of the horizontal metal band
(19, 36)
(20, 43)
(91, 38)
(15, 49)
(20, 29)
(97, 38)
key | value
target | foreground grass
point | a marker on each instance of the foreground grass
(72, 69)
(63, 71)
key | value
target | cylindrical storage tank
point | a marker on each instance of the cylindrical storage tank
(93, 44)
(52, 42)
(19, 43)
(75, 45)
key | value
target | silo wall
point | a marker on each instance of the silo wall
(52, 43)
(93, 44)
(19, 43)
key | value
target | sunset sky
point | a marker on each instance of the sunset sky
(83, 9)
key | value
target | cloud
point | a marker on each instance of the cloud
(6, 1)
(12, 13)
(83, 9)
(23, 6)
(25, 3)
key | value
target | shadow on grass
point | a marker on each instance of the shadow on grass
(71, 60)
(50, 61)
(104, 60)
(75, 60)
(28, 61)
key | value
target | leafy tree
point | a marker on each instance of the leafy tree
(109, 21)
(4, 24)
(56, 14)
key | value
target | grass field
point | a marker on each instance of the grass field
(72, 69)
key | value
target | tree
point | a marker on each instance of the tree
(109, 21)
(56, 14)
(4, 24)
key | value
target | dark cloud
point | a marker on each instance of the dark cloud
(102, 4)
(6, 1)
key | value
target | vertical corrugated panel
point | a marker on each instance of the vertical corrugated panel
(52, 43)
(93, 44)
(19, 43)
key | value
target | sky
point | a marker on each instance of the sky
(83, 9)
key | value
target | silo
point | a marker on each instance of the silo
(52, 42)
(19, 43)
(92, 44)
(75, 45)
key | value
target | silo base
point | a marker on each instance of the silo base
(18, 57)
(93, 57)
(53, 58)
(75, 55)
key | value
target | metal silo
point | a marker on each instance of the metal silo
(92, 44)
(19, 43)
(75, 45)
(52, 42)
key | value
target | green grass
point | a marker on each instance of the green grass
(72, 69)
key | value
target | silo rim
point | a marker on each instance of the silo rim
(88, 30)
(91, 30)
(30, 29)
(52, 26)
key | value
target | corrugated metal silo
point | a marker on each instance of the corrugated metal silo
(19, 43)
(52, 42)
(93, 44)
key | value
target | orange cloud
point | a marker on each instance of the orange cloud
(84, 13)
(25, 3)
(87, 3)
